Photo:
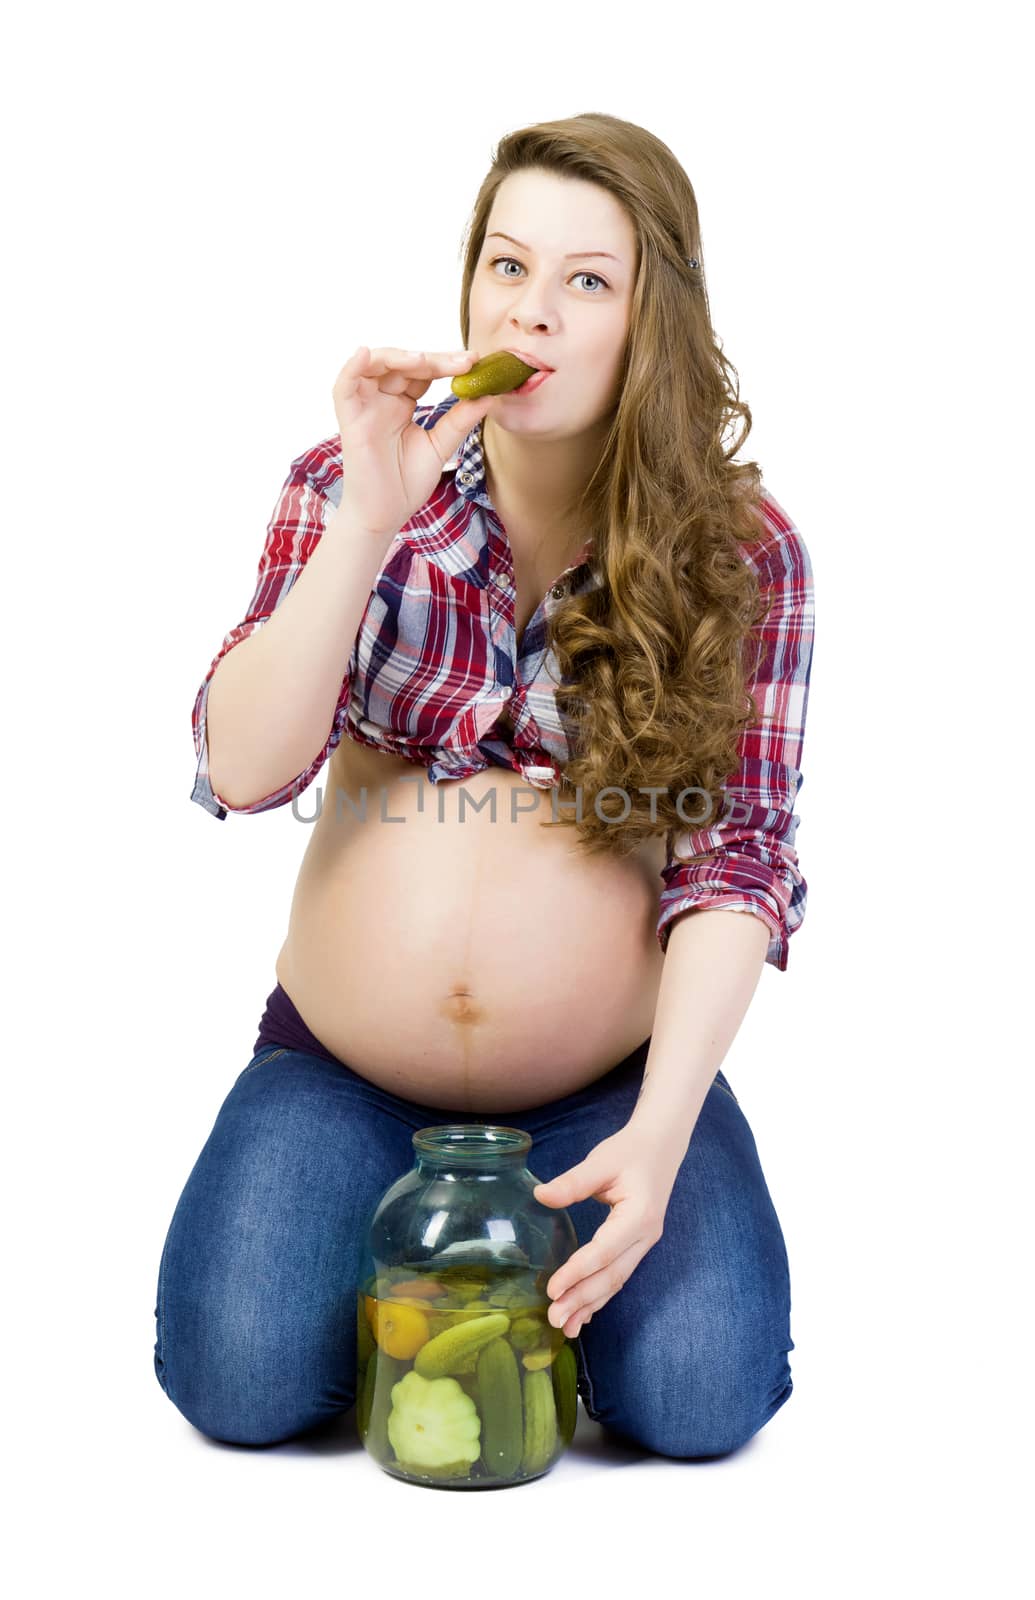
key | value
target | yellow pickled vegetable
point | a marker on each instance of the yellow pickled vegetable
(400, 1330)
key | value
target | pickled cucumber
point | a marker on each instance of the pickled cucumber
(495, 374)
(540, 1433)
(499, 1386)
(365, 1399)
(366, 1344)
(383, 1372)
(447, 1351)
(566, 1391)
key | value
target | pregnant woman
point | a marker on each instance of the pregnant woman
(553, 647)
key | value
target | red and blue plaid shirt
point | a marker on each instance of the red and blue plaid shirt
(436, 662)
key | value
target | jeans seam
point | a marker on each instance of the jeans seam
(588, 1399)
(272, 1057)
(160, 1351)
(725, 1090)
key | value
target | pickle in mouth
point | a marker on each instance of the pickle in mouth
(494, 374)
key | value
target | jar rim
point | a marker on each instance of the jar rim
(475, 1140)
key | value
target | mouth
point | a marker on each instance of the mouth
(530, 361)
(531, 384)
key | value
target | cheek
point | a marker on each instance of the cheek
(605, 358)
(487, 310)
(476, 299)
(486, 289)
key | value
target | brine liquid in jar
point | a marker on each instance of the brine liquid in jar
(461, 1378)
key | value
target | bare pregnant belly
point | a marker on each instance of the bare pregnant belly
(475, 963)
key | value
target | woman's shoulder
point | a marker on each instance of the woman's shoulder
(780, 551)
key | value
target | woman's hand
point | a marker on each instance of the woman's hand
(390, 464)
(634, 1177)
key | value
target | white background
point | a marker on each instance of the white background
(209, 207)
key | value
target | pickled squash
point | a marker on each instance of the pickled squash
(433, 1423)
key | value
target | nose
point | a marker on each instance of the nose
(530, 325)
(531, 314)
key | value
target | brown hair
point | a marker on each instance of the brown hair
(652, 662)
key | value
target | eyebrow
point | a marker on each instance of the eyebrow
(574, 255)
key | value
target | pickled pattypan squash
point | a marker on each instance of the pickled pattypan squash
(433, 1423)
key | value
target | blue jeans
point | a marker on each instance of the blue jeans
(256, 1312)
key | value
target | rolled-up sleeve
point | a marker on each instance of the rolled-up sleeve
(292, 535)
(747, 861)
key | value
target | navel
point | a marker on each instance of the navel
(461, 1006)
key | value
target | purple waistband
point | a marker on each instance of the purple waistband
(282, 1024)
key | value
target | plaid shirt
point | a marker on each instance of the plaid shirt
(435, 664)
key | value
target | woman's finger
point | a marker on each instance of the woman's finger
(594, 1291)
(395, 371)
(417, 363)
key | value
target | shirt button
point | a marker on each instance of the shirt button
(466, 477)
(501, 579)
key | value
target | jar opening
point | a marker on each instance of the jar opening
(471, 1140)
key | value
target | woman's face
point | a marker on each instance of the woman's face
(573, 314)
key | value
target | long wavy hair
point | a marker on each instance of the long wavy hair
(653, 663)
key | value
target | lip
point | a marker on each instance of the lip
(531, 384)
(530, 360)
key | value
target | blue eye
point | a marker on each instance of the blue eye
(517, 263)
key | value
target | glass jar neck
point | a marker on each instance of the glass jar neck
(473, 1148)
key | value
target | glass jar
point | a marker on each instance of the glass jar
(462, 1381)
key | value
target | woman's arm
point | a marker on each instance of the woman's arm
(747, 859)
(712, 967)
